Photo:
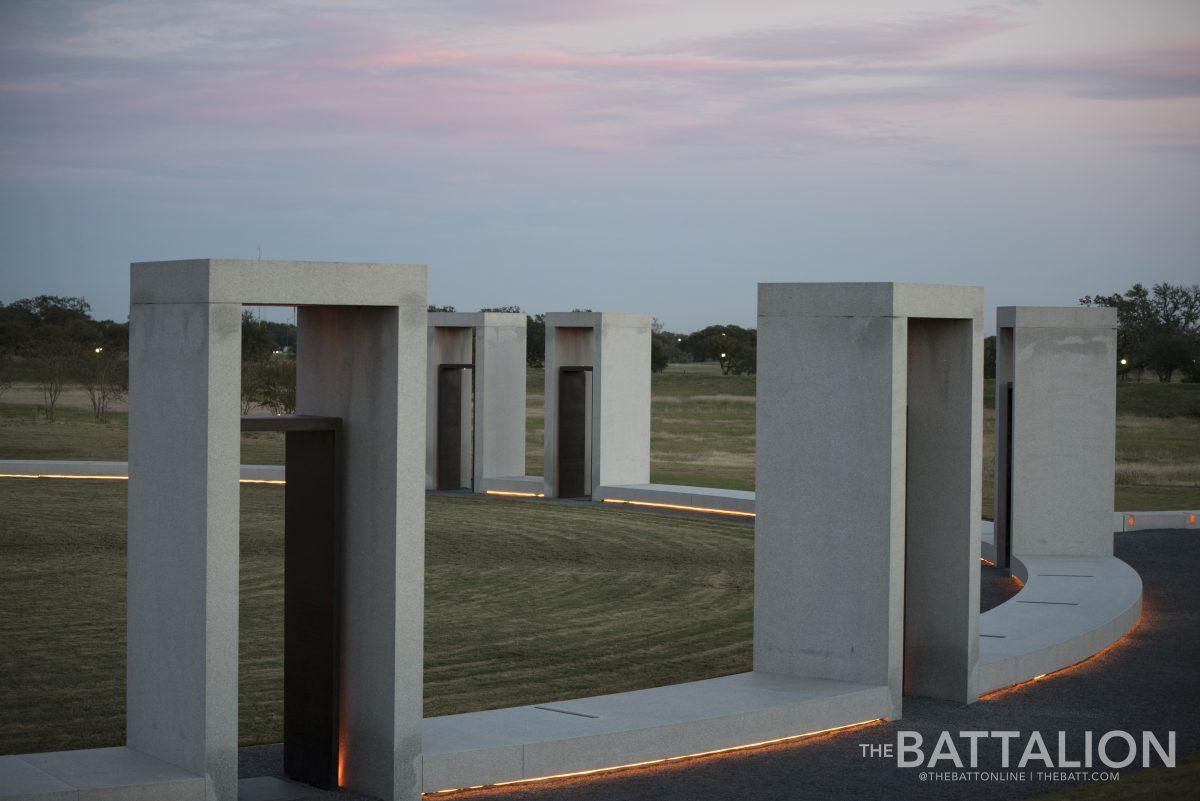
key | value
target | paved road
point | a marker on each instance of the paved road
(1148, 681)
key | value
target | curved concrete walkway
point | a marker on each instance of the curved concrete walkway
(1070, 608)
(1147, 682)
(588, 734)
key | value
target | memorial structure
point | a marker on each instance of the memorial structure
(1055, 431)
(866, 549)
(360, 377)
(475, 399)
(597, 402)
(867, 537)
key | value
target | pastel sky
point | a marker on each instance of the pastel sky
(606, 154)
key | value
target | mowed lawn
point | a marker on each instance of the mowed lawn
(702, 433)
(525, 602)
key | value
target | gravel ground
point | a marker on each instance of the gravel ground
(1148, 681)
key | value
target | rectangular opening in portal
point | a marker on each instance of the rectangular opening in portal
(454, 427)
(573, 427)
(941, 581)
(312, 564)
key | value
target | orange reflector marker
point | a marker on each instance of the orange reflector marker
(1131, 520)
(1192, 519)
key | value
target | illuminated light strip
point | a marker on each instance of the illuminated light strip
(681, 507)
(509, 494)
(278, 482)
(63, 475)
(697, 755)
(1023, 684)
(987, 562)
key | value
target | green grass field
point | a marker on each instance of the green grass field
(524, 603)
(702, 432)
(509, 584)
(524, 600)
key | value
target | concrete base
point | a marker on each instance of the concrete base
(271, 788)
(1070, 608)
(1148, 521)
(521, 485)
(43, 468)
(506, 745)
(738, 502)
(97, 774)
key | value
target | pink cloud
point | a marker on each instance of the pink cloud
(332, 81)
(914, 39)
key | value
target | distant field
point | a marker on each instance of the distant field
(702, 432)
(524, 603)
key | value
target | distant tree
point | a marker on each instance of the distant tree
(250, 386)
(6, 373)
(535, 340)
(667, 342)
(734, 348)
(55, 367)
(1191, 371)
(104, 373)
(659, 356)
(283, 336)
(1158, 328)
(707, 344)
(277, 385)
(742, 357)
(1166, 352)
(434, 308)
(16, 328)
(112, 336)
(27, 326)
(269, 384)
(504, 309)
(257, 342)
(989, 357)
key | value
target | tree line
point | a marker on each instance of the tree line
(1158, 329)
(733, 348)
(54, 342)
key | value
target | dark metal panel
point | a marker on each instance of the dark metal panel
(1003, 532)
(311, 608)
(289, 422)
(572, 433)
(449, 428)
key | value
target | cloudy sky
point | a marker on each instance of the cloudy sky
(608, 154)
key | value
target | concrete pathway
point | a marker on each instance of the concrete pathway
(1148, 681)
